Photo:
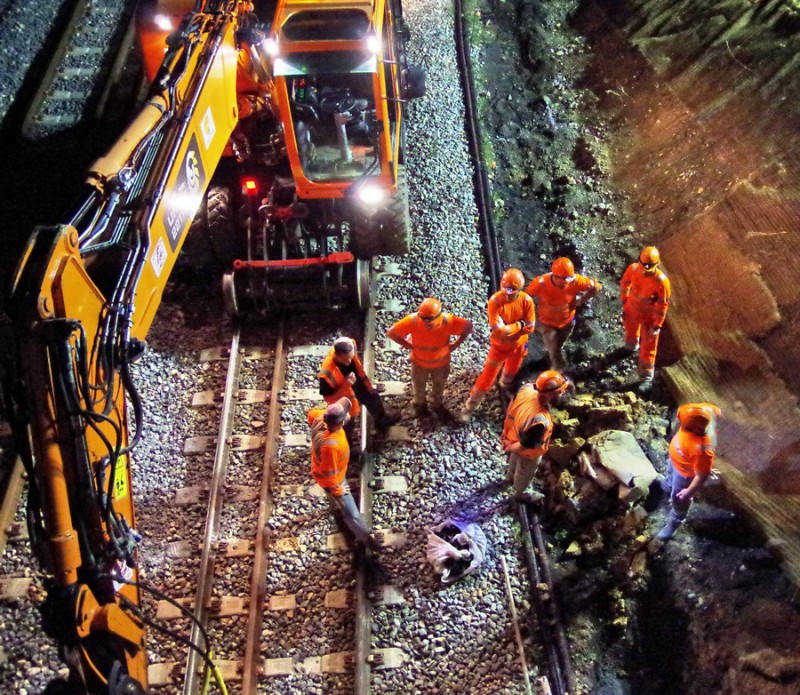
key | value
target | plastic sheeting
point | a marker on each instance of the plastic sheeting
(456, 549)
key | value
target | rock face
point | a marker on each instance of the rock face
(707, 151)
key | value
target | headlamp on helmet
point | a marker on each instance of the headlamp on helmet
(563, 268)
(512, 281)
(649, 257)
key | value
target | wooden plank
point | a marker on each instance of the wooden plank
(165, 673)
(14, 587)
(283, 603)
(8, 509)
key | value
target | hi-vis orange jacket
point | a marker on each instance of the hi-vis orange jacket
(647, 296)
(505, 319)
(330, 372)
(524, 412)
(557, 304)
(330, 454)
(692, 454)
(430, 341)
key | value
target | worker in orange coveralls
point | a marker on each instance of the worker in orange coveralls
(342, 374)
(253, 78)
(527, 430)
(645, 292)
(427, 334)
(512, 318)
(691, 457)
(330, 456)
(559, 293)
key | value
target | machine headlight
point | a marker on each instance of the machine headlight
(163, 22)
(371, 194)
(373, 44)
(270, 46)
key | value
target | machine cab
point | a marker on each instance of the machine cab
(337, 70)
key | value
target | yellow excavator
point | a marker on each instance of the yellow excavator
(272, 136)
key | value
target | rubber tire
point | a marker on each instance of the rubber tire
(196, 253)
(213, 241)
(396, 228)
(388, 231)
(223, 234)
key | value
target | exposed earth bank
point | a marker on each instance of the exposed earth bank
(591, 156)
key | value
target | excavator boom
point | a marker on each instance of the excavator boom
(83, 298)
(294, 119)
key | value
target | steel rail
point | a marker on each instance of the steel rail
(563, 663)
(363, 626)
(558, 656)
(258, 582)
(534, 556)
(205, 572)
(474, 141)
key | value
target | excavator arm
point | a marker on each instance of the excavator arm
(83, 298)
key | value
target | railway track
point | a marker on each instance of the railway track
(95, 42)
(291, 566)
(234, 460)
(560, 678)
(291, 520)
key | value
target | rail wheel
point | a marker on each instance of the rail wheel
(364, 284)
(230, 297)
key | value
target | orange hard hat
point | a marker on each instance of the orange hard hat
(563, 267)
(650, 256)
(430, 308)
(695, 416)
(551, 381)
(513, 277)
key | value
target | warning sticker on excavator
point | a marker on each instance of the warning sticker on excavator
(159, 257)
(208, 127)
(121, 478)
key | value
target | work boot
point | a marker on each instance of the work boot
(630, 348)
(390, 417)
(373, 544)
(469, 407)
(442, 412)
(465, 414)
(507, 389)
(645, 383)
(668, 530)
(420, 409)
(534, 497)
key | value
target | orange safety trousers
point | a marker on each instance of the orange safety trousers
(641, 329)
(499, 358)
